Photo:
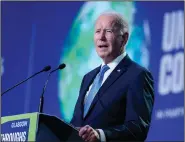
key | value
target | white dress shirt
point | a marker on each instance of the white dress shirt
(112, 66)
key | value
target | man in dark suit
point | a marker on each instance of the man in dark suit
(116, 99)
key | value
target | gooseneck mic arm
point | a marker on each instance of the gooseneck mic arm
(60, 67)
(45, 69)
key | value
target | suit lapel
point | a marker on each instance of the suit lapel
(116, 73)
(88, 81)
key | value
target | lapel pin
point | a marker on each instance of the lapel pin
(118, 70)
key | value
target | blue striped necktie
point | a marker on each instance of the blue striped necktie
(95, 87)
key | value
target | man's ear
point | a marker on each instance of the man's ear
(125, 38)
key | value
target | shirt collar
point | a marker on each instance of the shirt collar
(116, 61)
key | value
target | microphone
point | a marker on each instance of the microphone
(60, 67)
(45, 69)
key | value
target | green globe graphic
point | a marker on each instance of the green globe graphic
(79, 53)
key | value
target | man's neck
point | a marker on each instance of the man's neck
(110, 59)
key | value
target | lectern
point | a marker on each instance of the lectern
(37, 127)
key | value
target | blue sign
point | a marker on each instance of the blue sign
(15, 131)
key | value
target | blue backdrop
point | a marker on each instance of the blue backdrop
(36, 34)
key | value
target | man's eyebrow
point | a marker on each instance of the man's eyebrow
(104, 28)
(109, 29)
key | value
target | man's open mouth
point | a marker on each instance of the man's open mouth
(101, 46)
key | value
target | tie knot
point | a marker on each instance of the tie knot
(104, 69)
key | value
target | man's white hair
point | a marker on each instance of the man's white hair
(120, 21)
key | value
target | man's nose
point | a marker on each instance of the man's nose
(102, 35)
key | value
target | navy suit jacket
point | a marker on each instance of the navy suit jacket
(123, 106)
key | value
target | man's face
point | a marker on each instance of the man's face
(107, 38)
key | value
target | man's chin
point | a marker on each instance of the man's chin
(103, 56)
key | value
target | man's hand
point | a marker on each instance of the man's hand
(88, 134)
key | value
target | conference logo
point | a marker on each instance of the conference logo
(171, 68)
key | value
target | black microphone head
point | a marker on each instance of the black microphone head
(61, 66)
(47, 68)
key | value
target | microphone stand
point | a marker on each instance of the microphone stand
(42, 95)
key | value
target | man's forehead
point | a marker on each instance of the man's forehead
(105, 19)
